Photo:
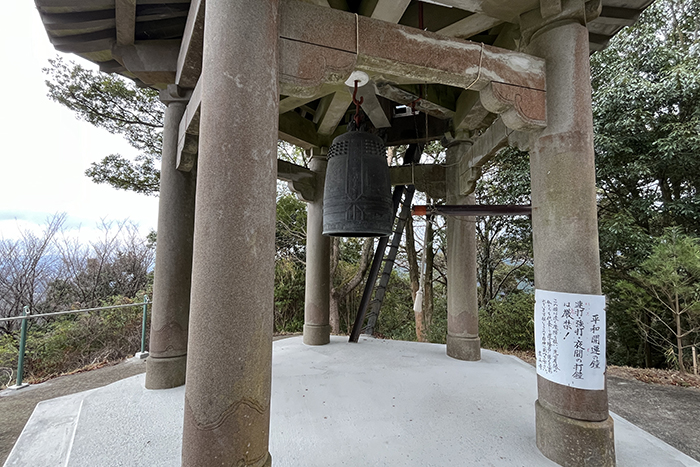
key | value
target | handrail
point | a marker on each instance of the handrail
(65, 312)
(26, 315)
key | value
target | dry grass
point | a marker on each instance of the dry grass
(32, 379)
(656, 376)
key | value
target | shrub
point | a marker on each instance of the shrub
(68, 343)
(508, 323)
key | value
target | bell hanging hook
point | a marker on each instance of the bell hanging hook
(357, 103)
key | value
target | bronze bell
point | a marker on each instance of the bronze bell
(357, 199)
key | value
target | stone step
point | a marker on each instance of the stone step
(48, 437)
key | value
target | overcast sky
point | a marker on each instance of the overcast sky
(44, 149)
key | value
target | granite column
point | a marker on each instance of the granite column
(317, 331)
(227, 395)
(573, 425)
(173, 273)
(463, 341)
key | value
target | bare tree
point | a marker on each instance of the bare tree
(27, 266)
(117, 263)
(346, 286)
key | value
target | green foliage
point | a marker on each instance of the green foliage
(290, 269)
(504, 243)
(647, 120)
(437, 331)
(68, 343)
(507, 323)
(289, 295)
(646, 105)
(396, 319)
(664, 293)
(139, 176)
(120, 107)
(290, 230)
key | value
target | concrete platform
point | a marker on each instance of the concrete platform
(377, 403)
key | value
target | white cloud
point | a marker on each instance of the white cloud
(45, 150)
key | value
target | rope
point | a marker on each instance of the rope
(478, 73)
(357, 34)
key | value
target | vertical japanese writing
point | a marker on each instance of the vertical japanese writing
(554, 340)
(542, 347)
(579, 326)
(548, 353)
(570, 338)
(595, 342)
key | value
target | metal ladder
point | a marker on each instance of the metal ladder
(389, 259)
(402, 198)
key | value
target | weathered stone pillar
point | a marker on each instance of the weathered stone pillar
(463, 341)
(317, 331)
(573, 425)
(227, 396)
(173, 273)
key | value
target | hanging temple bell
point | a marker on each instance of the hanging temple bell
(357, 200)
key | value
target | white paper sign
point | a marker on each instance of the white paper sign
(570, 338)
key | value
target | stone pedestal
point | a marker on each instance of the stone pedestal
(463, 341)
(571, 442)
(317, 331)
(171, 289)
(573, 426)
(227, 395)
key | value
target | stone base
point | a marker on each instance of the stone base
(464, 348)
(15, 387)
(315, 334)
(165, 373)
(574, 443)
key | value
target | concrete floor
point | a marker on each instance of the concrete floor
(377, 403)
(17, 406)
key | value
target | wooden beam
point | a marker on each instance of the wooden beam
(318, 2)
(467, 5)
(153, 62)
(413, 129)
(300, 179)
(297, 130)
(617, 16)
(428, 178)
(336, 4)
(188, 133)
(189, 60)
(472, 210)
(508, 38)
(331, 111)
(470, 113)
(505, 10)
(432, 103)
(293, 128)
(467, 27)
(484, 148)
(371, 105)
(550, 8)
(290, 103)
(390, 11)
(125, 19)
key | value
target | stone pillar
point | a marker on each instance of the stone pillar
(173, 273)
(317, 331)
(463, 341)
(573, 425)
(229, 361)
